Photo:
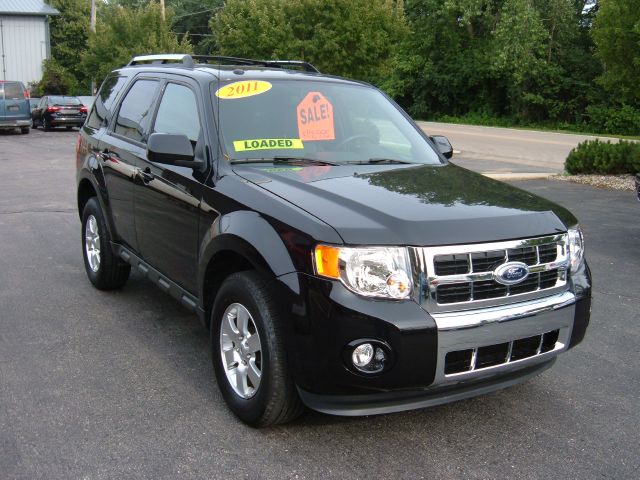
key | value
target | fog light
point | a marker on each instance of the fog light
(362, 355)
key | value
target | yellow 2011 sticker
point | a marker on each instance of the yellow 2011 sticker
(245, 88)
(267, 144)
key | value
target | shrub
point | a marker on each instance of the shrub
(624, 120)
(594, 156)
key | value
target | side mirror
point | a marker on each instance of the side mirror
(171, 149)
(443, 144)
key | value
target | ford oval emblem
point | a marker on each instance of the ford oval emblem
(511, 273)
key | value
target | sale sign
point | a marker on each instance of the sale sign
(315, 118)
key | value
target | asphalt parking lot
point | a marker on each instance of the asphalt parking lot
(120, 385)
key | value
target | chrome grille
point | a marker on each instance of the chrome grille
(473, 359)
(461, 276)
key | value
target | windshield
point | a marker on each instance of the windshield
(323, 121)
(65, 101)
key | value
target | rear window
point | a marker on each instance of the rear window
(106, 99)
(135, 111)
(56, 100)
(13, 91)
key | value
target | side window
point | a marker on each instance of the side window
(105, 100)
(135, 110)
(178, 112)
(1, 91)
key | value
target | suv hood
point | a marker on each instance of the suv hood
(411, 205)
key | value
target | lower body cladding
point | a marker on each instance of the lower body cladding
(423, 360)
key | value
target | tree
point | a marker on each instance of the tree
(355, 38)
(69, 32)
(56, 80)
(122, 32)
(616, 33)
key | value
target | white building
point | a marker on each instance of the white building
(24, 39)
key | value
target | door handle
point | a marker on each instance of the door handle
(145, 175)
(106, 155)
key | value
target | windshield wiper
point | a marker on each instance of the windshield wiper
(281, 159)
(377, 161)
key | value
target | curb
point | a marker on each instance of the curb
(518, 176)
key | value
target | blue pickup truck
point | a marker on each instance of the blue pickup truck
(14, 106)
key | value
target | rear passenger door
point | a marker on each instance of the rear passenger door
(121, 147)
(167, 197)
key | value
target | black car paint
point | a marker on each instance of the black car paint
(187, 227)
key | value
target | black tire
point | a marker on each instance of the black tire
(276, 400)
(25, 130)
(33, 125)
(112, 272)
(46, 124)
(69, 127)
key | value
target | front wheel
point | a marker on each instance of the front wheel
(249, 358)
(104, 269)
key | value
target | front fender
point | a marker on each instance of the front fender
(250, 235)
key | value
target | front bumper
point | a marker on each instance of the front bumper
(326, 317)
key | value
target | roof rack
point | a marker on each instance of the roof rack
(306, 66)
(162, 59)
(188, 61)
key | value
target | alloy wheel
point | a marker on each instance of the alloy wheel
(241, 350)
(92, 243)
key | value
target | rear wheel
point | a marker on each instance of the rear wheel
(46, 124)
(104, 269)
(247, 342)
(25, 130)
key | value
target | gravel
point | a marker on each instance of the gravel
(612, 182)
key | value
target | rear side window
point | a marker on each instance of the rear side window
(178, 112)
(105, 100)
(135, 111)
(13, 91)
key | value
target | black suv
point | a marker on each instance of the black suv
(337, 258)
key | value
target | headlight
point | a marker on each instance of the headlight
(576, 247)
(369, 271)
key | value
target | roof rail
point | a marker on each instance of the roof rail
(306, 66)
(162, 59)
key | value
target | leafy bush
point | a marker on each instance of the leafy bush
(56, 80)
(624, 120)
(594, 156)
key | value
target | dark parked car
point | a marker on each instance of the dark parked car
(14, 106)
(57, 110)
(336, 257)
(637, 181)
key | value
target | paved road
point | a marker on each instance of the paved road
(506, 150)
(97, 385)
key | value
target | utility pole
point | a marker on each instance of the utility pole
(162, 8)
(93, 29)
